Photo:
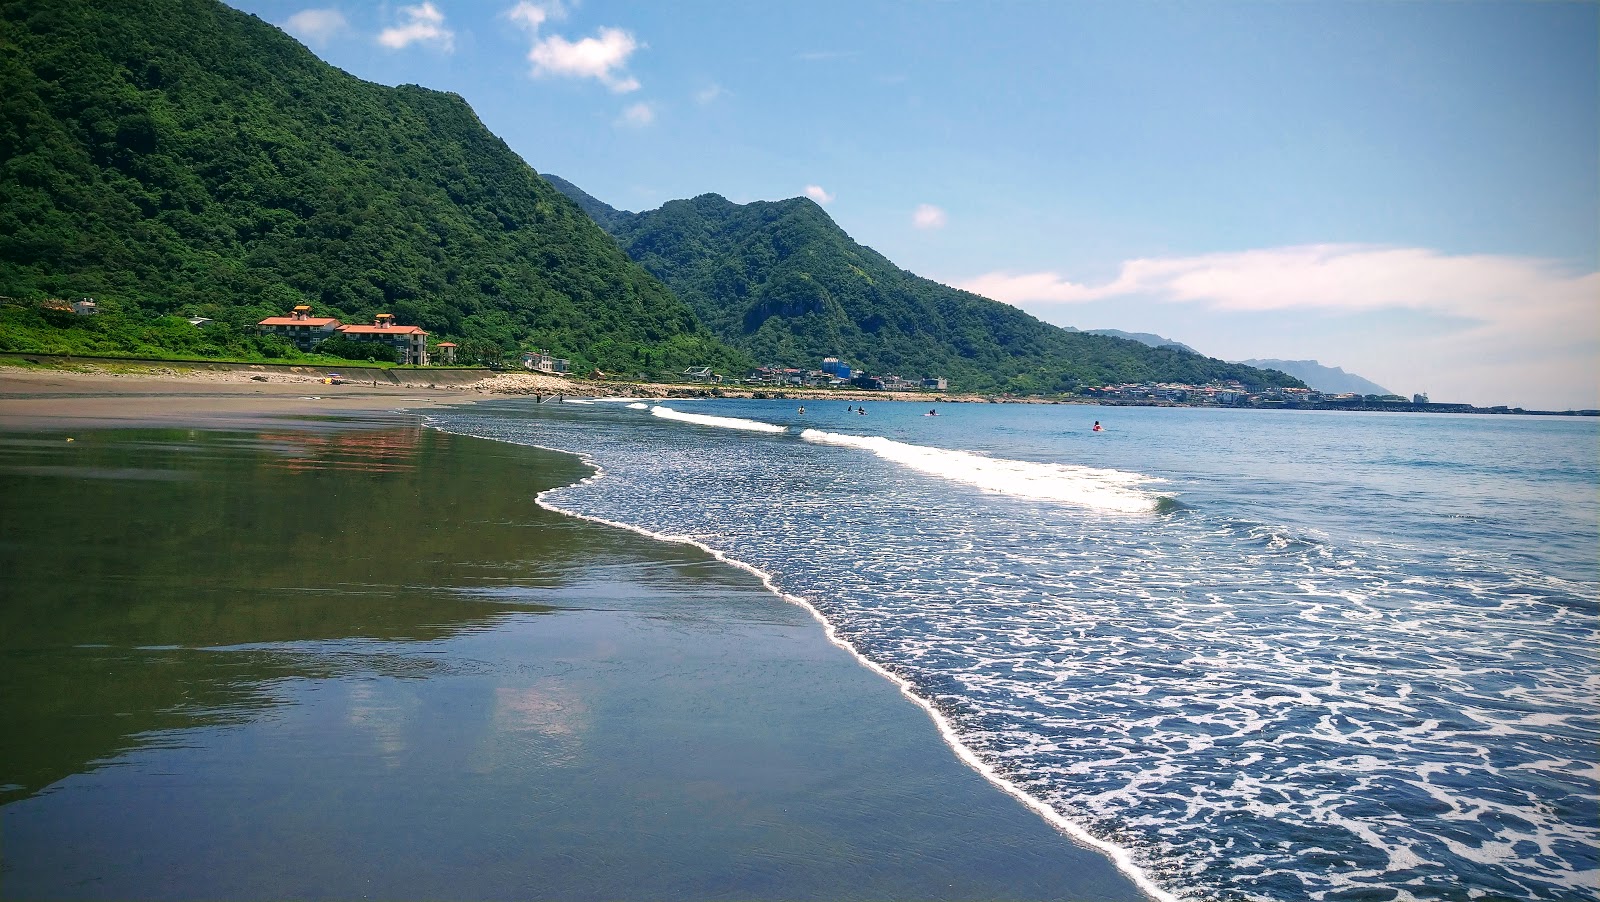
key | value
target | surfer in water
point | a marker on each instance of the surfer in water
(1097, 427)
(932, 413)
(802, 408)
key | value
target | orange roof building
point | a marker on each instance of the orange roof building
(300, 326)
(409, 342)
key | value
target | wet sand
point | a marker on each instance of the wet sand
(262, 642)
(48, 399)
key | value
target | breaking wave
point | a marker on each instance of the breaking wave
(1114, 491)
(701, 419)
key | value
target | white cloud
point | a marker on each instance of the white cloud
(1500, 328)
(1331, 277)
(531, 15)
(710, 94)
(316, 26)
(421, 24)
(927, 216)
(638, 115)
(816, 193)
(603, 57)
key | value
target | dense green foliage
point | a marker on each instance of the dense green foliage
(118, 334)
(180, 157)
(783, 282)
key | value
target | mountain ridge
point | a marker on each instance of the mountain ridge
(781, 281)
(182, 157)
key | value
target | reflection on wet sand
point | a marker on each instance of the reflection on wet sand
(135, 559)
(365, 664)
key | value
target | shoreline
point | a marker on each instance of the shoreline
(1119, 857)
(445, 384)
(53, 401)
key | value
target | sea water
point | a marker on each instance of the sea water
(1250, 654)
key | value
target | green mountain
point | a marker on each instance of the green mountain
(180, 157)
(783, 282)
(1144, 338)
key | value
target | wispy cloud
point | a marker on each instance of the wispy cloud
(420, 24)
(637, 115)
(816, 193)
(710, 94)
(927, 216)
(316, 26)
(1502, 328)
(817, 56)
(1502, 295)
(602, 57)
(531, 15)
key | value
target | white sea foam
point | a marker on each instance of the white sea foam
(701, 419)
(575, 401)
(1107, 490)
(638, 405)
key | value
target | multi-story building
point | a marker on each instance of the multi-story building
(410, 343)
(300, 327)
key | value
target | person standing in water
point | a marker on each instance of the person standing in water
(802, 408)
(1097, 426)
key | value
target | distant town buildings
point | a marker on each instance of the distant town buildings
(835, 373)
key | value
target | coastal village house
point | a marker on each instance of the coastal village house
(409, 342)
(542, 362)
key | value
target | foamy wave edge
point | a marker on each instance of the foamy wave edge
(1120, 857)
(704, 419)
(1113, 491)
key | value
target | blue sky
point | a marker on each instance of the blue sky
(1409, 190)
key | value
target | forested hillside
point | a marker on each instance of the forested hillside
(782, 281)
(180, 157)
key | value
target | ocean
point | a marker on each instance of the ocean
(1249, 654)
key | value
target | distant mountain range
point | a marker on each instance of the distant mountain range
(781, 281)
(1330, 379)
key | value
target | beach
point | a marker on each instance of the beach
(278, 638)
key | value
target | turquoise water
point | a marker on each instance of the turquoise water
(1267, 655)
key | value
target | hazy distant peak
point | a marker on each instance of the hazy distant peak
(1329, 379)
(1147, 338)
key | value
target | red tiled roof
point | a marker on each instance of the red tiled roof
(384, 330)
(294, 321)
(446, 344)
